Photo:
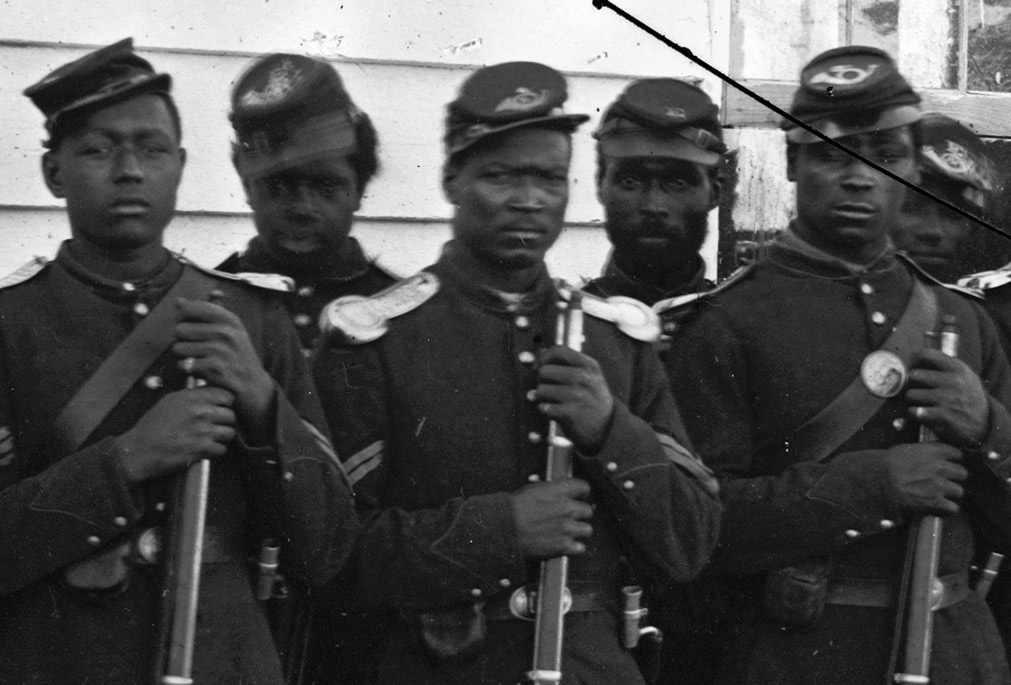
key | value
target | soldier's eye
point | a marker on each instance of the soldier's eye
(274, 187)
(630, 183)
(496, 176)
(676, 183)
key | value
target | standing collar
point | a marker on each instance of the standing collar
(347, 264)
(449, 269)
(789, 249)
(162, 277)
(615, 281)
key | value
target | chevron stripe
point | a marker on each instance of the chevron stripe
(364, 461)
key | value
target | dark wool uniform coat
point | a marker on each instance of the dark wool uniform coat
(436, 430)
(344, 642)
(998, 305)
(57, 509)
(351, 273)
(684, 612)
(769, 353)
(674, 306)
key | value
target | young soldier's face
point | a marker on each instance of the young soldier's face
(843, 206)
(119, 173)
(305, 209)
(931, 233)
(656, 207)
(511, 195)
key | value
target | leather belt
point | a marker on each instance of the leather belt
(500, 607)
(221, 546)
(880, 592)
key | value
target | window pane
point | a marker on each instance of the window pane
(874, 22)
(989, 67)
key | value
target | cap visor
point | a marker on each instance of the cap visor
(158, 83)
(565, 122)
(642, 144)
(889, 118)
(319, 138)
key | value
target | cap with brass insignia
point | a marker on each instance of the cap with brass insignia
(288, 109)
(507, 96)
(663, 117)
(954, 156)
(849, 90)
(100, 78)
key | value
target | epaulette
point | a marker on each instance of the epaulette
(681, 300)
(974, 293)
(632, 317)
(25, 272)
(275, 282)
(358, 319)
(987, 280)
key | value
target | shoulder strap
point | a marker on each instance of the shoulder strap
(132, 357)
(836, 423)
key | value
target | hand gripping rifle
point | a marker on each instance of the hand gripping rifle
(924, 587)
(182, 570)
(553, 597)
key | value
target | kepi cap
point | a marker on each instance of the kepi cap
(954, 155)
(507, 96)
(100, 78)
(663, 117)
(288, 109)
(849, 90)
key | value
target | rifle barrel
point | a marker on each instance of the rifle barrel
(552, 593)
(923, 583)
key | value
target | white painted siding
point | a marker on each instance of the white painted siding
(401, 61)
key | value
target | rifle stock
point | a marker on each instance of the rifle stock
(182, 573)
(553, 598)
(924, 591)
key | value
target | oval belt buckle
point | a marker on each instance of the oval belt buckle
(883, 374)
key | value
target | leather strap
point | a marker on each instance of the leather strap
(880, 592)
(836, 423)
(123, 368)
(583, 599)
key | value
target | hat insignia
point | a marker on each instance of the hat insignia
(675, 113)
(843, 75)
(523, 100)
(954, 157)
(281, 80)
(961, 165)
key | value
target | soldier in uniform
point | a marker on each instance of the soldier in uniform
(659, 152)
(805, 384)
(305, 154)
(955, 167)
(121, 364)
(443, 410)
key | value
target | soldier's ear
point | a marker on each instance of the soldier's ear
(715, 189)
(450, 188)
(793, 151)
(51, 173)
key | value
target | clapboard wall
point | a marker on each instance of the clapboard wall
(401, 61)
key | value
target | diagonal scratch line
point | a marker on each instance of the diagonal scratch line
(601, 4)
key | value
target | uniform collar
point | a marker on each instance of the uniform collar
(348, 264)
(615, 281)
(448, 269)
(791, 251)
(161, 278)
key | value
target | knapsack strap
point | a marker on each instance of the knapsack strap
(838, 421)
(123, 368)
